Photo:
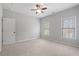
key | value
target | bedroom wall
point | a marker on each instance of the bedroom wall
(55, 26)
(27, 27)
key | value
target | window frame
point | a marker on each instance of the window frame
(46, 27)
(62, 28)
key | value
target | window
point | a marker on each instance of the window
(69, 28)
(46, 28)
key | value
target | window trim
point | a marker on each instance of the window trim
(46, 27)
(68, 28)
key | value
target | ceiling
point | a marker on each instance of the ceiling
(26, 8)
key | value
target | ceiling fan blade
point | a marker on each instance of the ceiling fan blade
(44, 8)
(33, 9)
(37, 5)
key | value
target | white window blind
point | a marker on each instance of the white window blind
(69, 27)
(46, 28)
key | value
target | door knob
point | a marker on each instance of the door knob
(14, 32)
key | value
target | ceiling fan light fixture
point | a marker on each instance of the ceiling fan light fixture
(39, 8)
(38, 11)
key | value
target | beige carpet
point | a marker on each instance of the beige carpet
(38, 47)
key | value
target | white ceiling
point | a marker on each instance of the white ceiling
(26, 8)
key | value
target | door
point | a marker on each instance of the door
(8, 31)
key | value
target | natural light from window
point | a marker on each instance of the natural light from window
(69, 27)
(46, 28)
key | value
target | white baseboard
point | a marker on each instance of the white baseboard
(18, 41)
(23, 40)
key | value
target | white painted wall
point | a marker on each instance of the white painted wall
(27, 27)
(0, 26)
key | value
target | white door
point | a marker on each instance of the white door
(8, 31)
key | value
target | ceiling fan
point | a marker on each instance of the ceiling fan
(39, 8)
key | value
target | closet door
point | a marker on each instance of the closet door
(9, 31)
